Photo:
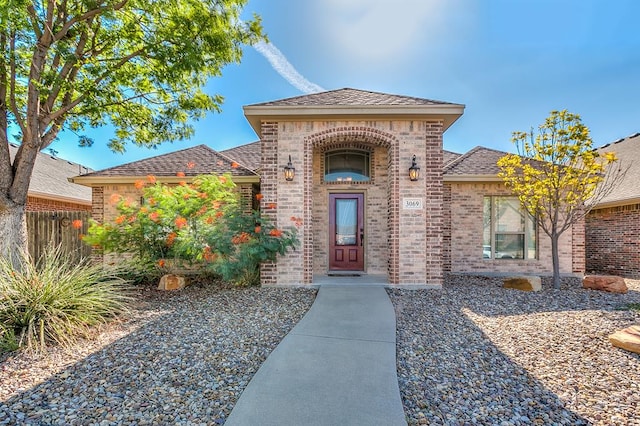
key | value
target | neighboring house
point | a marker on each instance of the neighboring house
(362, 212)
(613, 226)
(50, 189)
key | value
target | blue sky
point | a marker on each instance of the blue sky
(509, 61)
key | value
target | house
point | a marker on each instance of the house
(377, 193)
(50, 190)
(613, 226)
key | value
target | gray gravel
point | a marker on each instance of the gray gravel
(475, 353)
(472, 353)
(182, 358)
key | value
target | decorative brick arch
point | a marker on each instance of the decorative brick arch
(359, 137)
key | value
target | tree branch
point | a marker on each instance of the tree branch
(85, 16)
(12, 84)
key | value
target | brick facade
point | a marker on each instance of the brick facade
(406, 245)
(37, 204)
(613, 241)
(463, 236)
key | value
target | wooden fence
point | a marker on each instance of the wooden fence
(58, 228)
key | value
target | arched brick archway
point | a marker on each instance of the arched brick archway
(360, 138)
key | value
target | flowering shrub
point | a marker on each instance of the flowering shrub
(200, 223)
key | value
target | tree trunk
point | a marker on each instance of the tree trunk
(13, 229)
(556, 261)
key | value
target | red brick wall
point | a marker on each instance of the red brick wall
(36, 204)
(613, 241)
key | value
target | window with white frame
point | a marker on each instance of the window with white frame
(509, 230)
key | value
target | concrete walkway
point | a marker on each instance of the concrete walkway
(336, 367)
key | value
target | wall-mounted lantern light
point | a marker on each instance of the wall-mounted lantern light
(289, 171)
(414, 170)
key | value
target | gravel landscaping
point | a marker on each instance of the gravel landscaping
(475, 353)
(472, 353)
(182, 358)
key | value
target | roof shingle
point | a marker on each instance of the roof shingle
(628, 152)
(194, 161)
(351, 97)
(480, 161)
(249, 155)
(50, 176)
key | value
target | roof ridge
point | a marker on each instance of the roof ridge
(461, 158)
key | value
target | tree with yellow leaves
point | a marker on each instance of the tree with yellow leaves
(558, 176)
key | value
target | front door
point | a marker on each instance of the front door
(346, 232)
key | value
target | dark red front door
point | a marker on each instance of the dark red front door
(346, 232)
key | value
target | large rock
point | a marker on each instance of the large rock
(523, 283)
(610, 283)
(627, 339)
(171, 282)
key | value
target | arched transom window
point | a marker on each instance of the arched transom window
(347, 165)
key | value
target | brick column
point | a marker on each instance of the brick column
(269, 190)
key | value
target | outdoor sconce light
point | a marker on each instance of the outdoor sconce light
(289, 171)
(414, 170)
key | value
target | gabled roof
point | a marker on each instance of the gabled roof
(50, 178)
(352, 97)
(480, 162)
(352, 104)
(249, 155)
(449, 156)
(628, 152)
(193, 161)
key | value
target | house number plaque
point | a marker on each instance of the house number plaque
(412, 203)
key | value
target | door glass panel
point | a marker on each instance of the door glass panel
(346, 222)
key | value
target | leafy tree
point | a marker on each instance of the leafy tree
(558, 176)
(200, 223)
(138, 65)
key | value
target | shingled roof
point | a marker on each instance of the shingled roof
(193, 161)
(351, 97)
(628, 152)
(348, 104)
(480, 161)
(50, 178)
(249, 155)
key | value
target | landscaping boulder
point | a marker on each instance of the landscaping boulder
(523, 283)
(627, 339)
(610, 283)
(171, 282)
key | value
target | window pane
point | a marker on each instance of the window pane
(509, 246)
(531, 236)
(509, 215)
(486, 231)
(346, 222)
(347, 166)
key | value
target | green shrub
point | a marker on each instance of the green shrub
(55, 300)
(201, 223)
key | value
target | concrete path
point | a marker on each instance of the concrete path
(336, 367)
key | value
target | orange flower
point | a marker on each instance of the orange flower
(151, 178)
(182, 183)
(154, 216)
(139, 184)
(216, 204)
(81, 237)
(271, 205)
(209, 220)
(180, 222)
(297, 221)
(186, 196)
(143, 210)
(131, 219)
(161, 263)
(203, 195)
(219, 214)
(191, 165)
(115, 198)
(171, 238)
(259, 197)
(180, 174)
(275, 233)
(257, 230)
(234, 165)
(202, 211)
(77, 224)
(151, 201)
(120, 219)
(241, 238)
(222, 179)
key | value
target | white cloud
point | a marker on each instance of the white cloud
(280, 63)
(375, 30)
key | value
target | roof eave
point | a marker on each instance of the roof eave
(617, 203)
(472, 178)
(95, 181)
(449, 113)
(62, 198)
